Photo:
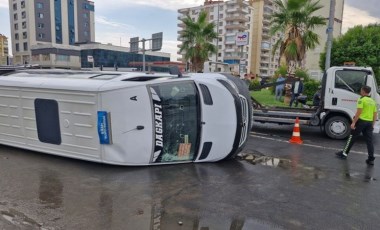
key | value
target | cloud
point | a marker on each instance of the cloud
(171, 47)
(164, 4)
(4, 4)
(353, 17)
(101, 20)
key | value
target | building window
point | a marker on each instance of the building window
(36, 57)
(15, 6)
(15, 17)
(24, 25)
(61, 57)
(85, 24)
(84, 15)
(85, 33)
(17, 47)
(45, 57)
(24, 35)
(220, 23)
(220, 39)
(41, 35)
(220, 15)
(16, 36)
(220, 31)
(40, 25)
(22, 4)
(40, 5)
(16, 26)
(211, 17)
(23, 14)
(25, 46)
(40, 15)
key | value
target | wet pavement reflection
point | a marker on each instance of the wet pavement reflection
(257, 191)
(298, 171)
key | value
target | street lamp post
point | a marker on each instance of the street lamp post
(330, 30)
(217, 41)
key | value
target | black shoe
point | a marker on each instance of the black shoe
(369, 162)
(341, 155)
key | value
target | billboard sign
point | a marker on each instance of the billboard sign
(134, 43)
(90, 59)
(242, 38)
(157, 41)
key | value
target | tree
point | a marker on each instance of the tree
(197, 40)
(360, 44)
(296, 21)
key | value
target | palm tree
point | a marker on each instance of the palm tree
(296, 21)
(197, 40)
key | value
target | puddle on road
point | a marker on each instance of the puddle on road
(297, 170)
(19, 219)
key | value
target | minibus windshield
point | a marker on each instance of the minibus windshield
(175, 109)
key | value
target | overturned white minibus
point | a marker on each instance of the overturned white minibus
(129, 118)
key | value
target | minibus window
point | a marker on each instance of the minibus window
(47, 121)
(176, 122)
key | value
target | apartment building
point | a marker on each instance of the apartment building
(4, 51)
(263, 62)
(229, 18)
(313, 56)
(49, 23)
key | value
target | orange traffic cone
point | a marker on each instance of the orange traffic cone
(296, 137)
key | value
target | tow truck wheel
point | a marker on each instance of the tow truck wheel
(337, 127)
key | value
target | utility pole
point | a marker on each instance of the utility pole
(217, 41)
(329, 31)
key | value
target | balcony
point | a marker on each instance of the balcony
(236, 26)
(232, 42)
(266, 35)
(266, 21)
(181, 17)
(231, 50)
(237, 10)
(237, 18)
(232, 57)
(265, 48)
(265, 55)
(184, 11)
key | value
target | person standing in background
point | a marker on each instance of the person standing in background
(279, 88)
(297, 89)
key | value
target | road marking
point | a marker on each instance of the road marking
(253, 134)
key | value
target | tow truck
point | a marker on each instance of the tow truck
(339, 94)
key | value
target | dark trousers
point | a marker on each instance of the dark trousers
(294, 98)
(366, 128)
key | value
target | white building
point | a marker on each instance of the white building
(263, 62)
(313, 56)
(230, 18)
(46, 22)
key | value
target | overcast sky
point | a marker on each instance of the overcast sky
(118, 20)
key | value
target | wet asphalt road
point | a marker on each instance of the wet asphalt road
(292, 187)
